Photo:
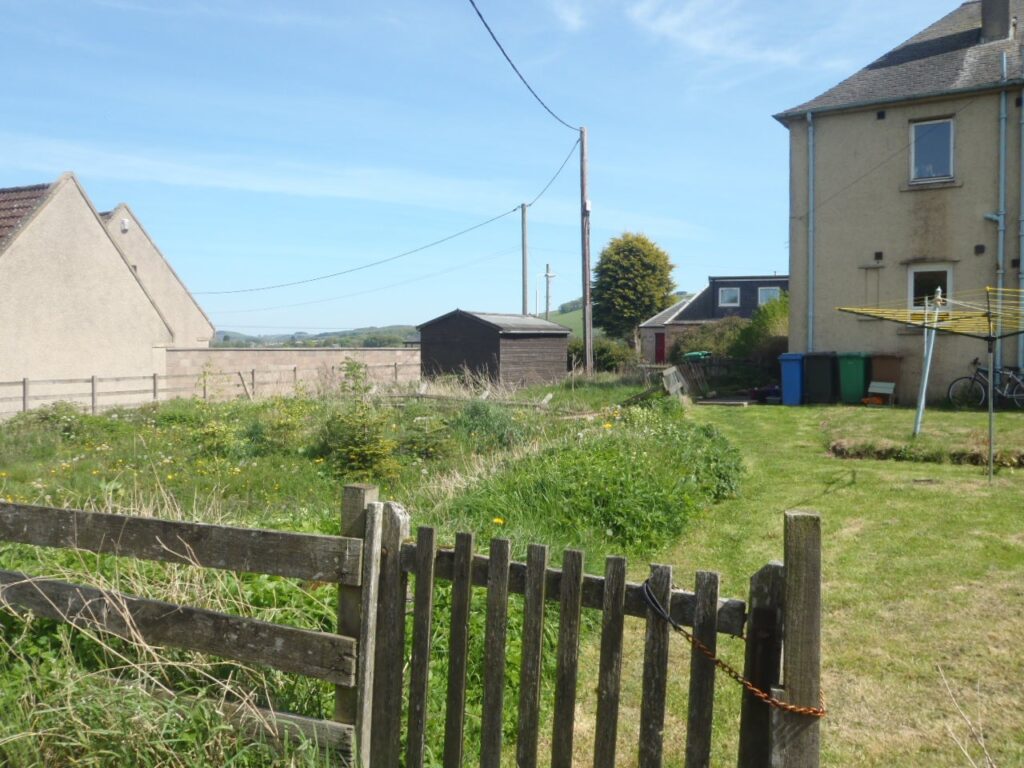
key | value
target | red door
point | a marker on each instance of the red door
(659, 347)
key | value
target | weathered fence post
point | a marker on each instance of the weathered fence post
(92, 393)
(252, 378)
(389, 662)
(156, 387)
(295, 379)
(795, 738)
(702, 671)
(24, 395)
(761, 665)
(655, 675)
(361, 518)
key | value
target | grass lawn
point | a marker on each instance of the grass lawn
(923, 568)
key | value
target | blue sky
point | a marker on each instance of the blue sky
(267, 142)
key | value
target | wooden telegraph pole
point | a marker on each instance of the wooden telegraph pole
(588, 323)
(526, 279)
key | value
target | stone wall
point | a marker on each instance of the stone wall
(283, 370)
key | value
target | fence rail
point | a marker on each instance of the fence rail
(368, 658)
(96, 393)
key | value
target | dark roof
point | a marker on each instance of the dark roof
(945, 58)
(507, 323)
(16, 205)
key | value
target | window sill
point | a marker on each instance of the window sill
(919, 186)
(872, 266)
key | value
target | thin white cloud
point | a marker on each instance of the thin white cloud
(712, 29)
(569, 13)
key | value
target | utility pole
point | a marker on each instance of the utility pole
(526, 278)
(548, 275)
(588, 323)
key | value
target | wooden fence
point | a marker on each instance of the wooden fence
(97, 393)
(369, 656)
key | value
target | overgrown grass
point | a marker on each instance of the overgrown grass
(282, 463)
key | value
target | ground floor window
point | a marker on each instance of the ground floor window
(925, 279)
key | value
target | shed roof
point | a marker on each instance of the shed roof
(507, 324)
(17, 204)
(945, 58)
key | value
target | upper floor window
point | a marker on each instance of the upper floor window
(767, 293)
(728, 297)
(931, 150)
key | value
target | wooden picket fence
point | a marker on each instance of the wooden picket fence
(368, 658)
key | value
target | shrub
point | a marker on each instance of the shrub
(634, 481)
(354, 442)
(610, 355)
(717, 337)
(766, 336)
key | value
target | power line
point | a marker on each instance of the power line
(368, 290)
(557, 174)
(361, 266)
(516, 69)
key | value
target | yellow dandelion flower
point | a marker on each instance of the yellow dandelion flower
(607, 425)
(498, 521)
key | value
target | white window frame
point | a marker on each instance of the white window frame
(943, 266)
(913, 151)
(723, 303)
(761, 300)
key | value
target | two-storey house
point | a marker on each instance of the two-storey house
(907, 177)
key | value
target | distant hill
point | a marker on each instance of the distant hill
(373, 336)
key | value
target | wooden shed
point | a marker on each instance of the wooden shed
(512, 349)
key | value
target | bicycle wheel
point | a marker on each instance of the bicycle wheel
(1017, 393)
(966, 392)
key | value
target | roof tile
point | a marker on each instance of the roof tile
(16, 205)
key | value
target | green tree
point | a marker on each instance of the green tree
(632, 281)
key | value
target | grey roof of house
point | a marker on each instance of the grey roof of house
(667, 315)
(946, 58)
(16, 205)
(508, 323)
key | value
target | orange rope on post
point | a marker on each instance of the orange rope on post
(767, 698)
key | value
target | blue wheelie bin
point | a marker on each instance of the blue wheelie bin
(792, 365)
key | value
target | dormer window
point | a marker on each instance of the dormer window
(931, 151)
(728, 297)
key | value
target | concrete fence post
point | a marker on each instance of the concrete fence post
(92, 393)
(252, 379)
(24, 395)
(156, 387)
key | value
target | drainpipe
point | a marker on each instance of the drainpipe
(1020, 224)
(999, 217)
(810, 232)
(1000, 250)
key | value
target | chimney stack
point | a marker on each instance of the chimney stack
(995, 20)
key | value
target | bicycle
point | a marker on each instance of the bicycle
(972, 391)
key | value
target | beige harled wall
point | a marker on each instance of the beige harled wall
(190, 326)
(71, 305)
(865, 205)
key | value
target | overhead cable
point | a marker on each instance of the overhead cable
(557, 173)
(361, 266)
(516, 69)
(368, 290)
